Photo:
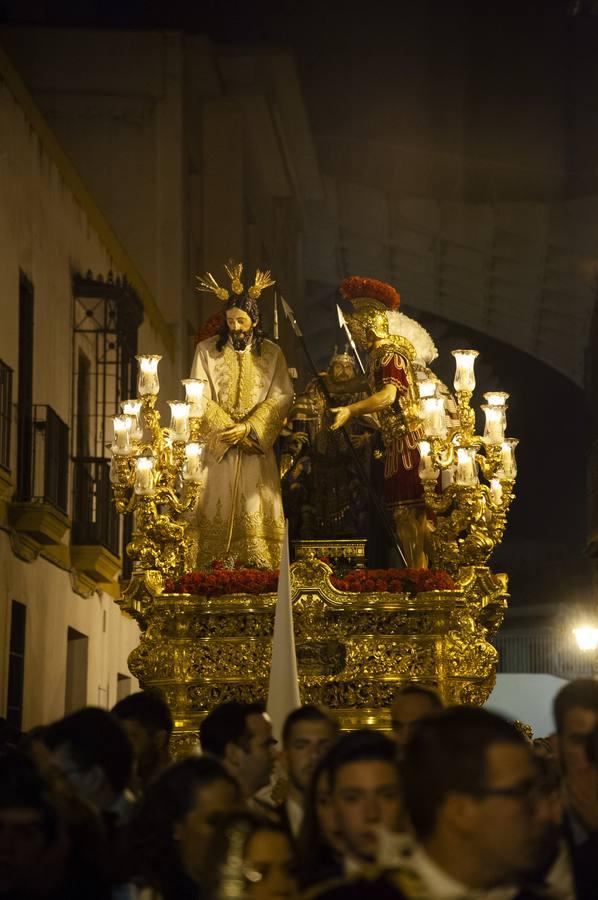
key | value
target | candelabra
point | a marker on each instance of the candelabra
(156, 475)
(468, 514)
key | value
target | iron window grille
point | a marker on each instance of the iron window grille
(43, 469)
(107, 316)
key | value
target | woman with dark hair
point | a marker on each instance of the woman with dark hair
(172, 824)
(319, 844)
(252, 858)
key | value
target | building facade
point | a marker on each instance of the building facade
(140, 161)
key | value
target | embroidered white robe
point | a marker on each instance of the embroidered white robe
(240, 512)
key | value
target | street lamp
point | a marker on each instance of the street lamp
(586, 637)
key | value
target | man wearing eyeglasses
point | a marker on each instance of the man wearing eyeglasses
(472, 793)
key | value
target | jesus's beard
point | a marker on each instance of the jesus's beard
(240, 339)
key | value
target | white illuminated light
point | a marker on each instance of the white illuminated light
(427, 472)
(144, 475)
(192, 466)
(132, 408)
(464, 374)
(586, 637)
(179, 420)
(466, 473)
(427, 389)
(194, 391)
(496, 398)
(434, 416)
(147, 379)
(121, 445)
(494, 429)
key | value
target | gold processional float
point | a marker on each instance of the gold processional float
(358, 637)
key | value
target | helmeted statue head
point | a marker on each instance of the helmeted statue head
(342, 365)
(372, 301)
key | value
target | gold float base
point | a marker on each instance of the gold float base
(353, 650)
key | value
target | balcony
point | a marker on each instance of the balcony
(38, 515)
(95, 530)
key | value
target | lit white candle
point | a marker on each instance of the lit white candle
(427, 472)
(179, 420)
(496, 398)
(144, 476)
(132, 408)
(508, 466)
(494, 430)
(194, 391)
(147, 379)
(466, 471)
(464, 374)
(496, 490)
(121, 444)
(427, 388)
(434, 416)
(192, 466)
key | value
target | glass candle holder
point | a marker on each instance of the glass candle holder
(494, 428)
(121, 445)
(496, 398)
(464, 374)
(148, 383)
(194, 391)
(132, 408)
(466, 470)
(426, 470)
(179, 420)
(496, 490)
(434, 417)
(192, 467)
(508, 464)
(144, 476)
(426, 389)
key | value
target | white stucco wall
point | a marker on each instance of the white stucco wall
(527, 698)
(46, 233)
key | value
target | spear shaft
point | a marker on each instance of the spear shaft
(381, 511)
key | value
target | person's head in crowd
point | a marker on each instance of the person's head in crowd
(147, 720)
(240, 736)
(473, 795)
(412, 703)
(92, 751)
(174, 821)
(366, 791)
(576, 717)
(45, 851)
(319, 844)
(255, 851)
(30, 828)
(307, 735)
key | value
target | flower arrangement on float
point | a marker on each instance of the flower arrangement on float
(220, 580)
(394, 581)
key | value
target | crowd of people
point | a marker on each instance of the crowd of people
(453, 804)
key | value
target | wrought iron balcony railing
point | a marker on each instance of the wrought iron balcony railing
(43, 457)
(95, 520)
(5, 414)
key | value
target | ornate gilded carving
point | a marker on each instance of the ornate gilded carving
(353, 650)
